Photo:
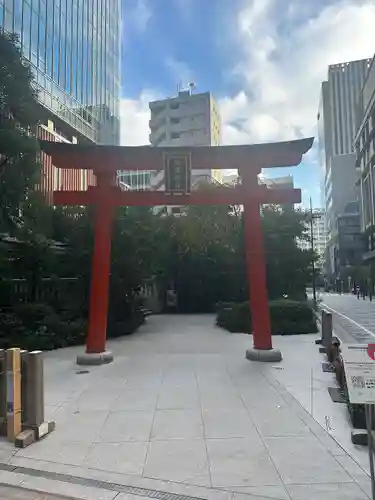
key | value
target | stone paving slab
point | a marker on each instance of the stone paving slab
(181, 410)
(13, 493)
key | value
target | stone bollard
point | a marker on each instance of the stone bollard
(327, 329)
(34, 390)
(34, 425)
(320, 341)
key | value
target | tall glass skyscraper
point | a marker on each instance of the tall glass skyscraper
(74, 49)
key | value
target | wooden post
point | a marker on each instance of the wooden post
(13, 376)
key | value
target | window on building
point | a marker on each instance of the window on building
(175, 120)
(367, 200)
(174, 105)
(175, 135)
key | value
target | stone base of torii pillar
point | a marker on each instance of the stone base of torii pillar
(92, 359)
(270, 355)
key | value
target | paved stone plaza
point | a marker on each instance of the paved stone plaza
(180, 410)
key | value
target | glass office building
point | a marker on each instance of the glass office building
(74, 49)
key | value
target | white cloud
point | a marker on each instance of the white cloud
(135, 116)
(180, 71)
(282, 72)
(140, 15)
(284, 58)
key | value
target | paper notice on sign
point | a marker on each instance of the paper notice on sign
(359, 367)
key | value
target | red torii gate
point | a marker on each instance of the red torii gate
(105, 161)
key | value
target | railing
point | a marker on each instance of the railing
(13, 291)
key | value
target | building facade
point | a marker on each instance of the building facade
(73, 47)
(336, 130)
(318, 235)
(346, 252)
(365, 163)
(187, 119)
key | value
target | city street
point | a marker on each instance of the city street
(353, 319)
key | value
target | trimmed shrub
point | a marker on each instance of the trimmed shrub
(35, 326)
(288, 317)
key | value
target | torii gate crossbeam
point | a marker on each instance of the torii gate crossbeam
(105, 161)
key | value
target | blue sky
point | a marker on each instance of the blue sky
(263, 60)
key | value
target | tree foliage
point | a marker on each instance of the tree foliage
(19, 116)
(203, 255)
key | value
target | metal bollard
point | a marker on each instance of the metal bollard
(13, 392)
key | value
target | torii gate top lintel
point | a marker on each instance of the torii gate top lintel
(250, 158)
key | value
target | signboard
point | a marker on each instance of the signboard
(359, 364)
(177, 170)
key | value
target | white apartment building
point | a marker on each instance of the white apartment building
(271, 182)
(187, 119)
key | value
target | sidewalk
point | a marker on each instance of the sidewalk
(353, 319)
(181, 411)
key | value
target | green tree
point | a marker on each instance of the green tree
(289, 267)
(204, 255)
(19, 117)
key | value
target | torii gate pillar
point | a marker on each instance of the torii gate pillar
(262, 349)
(96, 352)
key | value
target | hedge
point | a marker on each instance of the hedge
(35, 326)
(288, 317)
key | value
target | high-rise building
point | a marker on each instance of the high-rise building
(336, 130)
(73, 47)
(365, 163)
(318, 235)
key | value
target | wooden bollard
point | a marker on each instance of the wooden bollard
(13, 392)
(3, 394)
